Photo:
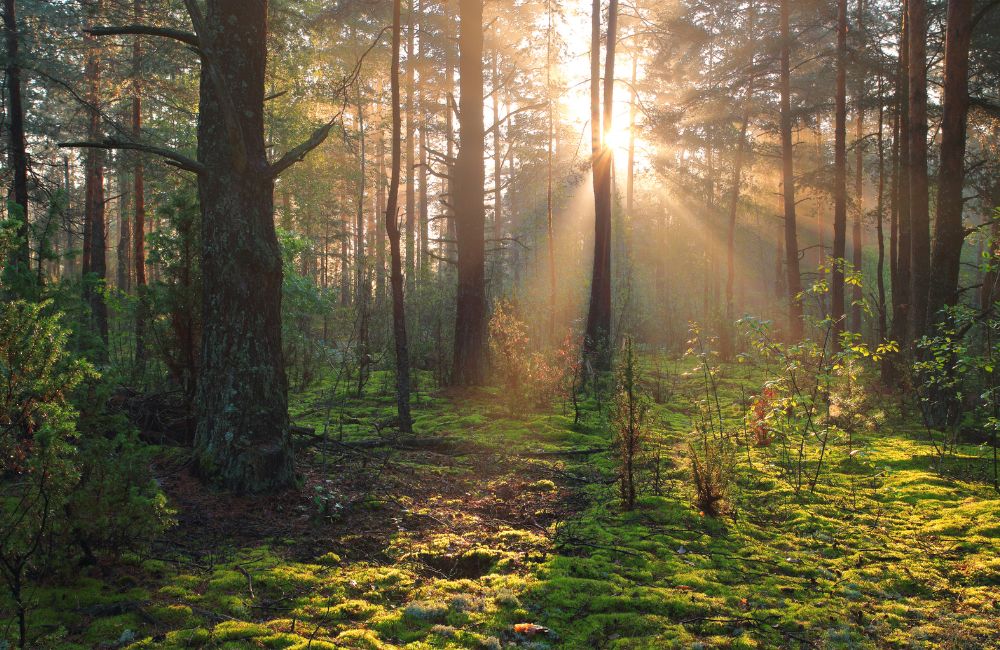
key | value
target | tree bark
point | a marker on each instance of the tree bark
(597, 344)
(139, 192)
(734, 200)
(949, 234)
(411, 121)
(548, 169)
(392, 232)
(837, 313)
(95, 226)
(901, 284)
(20, 261)
(879, 216)
(857, 232)
(919, 207)
(469, 200)
(793, 276)
(242, 440)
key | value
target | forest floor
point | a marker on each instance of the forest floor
(491, 529)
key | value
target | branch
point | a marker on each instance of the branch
(172, 157)
(320, 134)
(300, 152)
(188, 38)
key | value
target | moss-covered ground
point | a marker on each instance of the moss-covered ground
(484, 521)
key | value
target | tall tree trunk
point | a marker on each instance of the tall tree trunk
(360, 258)
(632, 109)
(879, 216)
(734, 200)
(857, 233)
(794, 278)
(920, 244)
(139, 192)
(497, 267)
(392, 232)
(901, 288)
(123, 269)
(469, 200)
(548, 167)
(423, 223)
(597, 344)
(423, 202)
(242, 440)
(95, 227)
(949, 234)
(837, 313)
(20, 261)
(381, 234)
(411, 125)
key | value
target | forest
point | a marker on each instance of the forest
(375, 324)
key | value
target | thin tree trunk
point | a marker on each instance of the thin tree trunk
(381, 232)
(360, 259)
(95, 227)
(139, 192)
(411, 122)
(498, 261)
(949, 233)
(919, 208)
(837, 313)
(20, 261)
(392, 232)
(901, 283)
(630, 182)
(734, 200)
(879, 217)
(794, 278)
(548, 164)
(857, 233)
(123, 269)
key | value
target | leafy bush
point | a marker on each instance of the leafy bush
(66, 485)
(958, 388)
(38, 463)
(528, 378)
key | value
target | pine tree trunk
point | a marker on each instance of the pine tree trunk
(880, 217)
(470, 212)
(242, 440)
(837, 313)
(597, 344)
(901, 288)
(95, 226)
(734, 200)
(411, 121)
(20, 261)
(920, 249)
(139, 192)
(949, 233)
(392, 232)
(857, 232)
(794, 278)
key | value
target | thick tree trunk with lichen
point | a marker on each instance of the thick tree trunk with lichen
(242, 439)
